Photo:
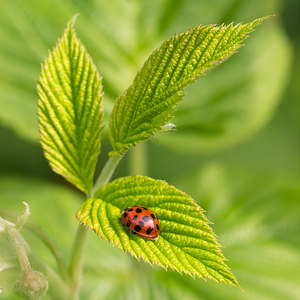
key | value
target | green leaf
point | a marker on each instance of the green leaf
(148, 103)
(70, 111)
(186, 242)
(26, 39)
(236, 100)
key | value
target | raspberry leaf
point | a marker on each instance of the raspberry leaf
(186, 242)
(149, 102)
(70, 111)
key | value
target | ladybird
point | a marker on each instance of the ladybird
(142, 221)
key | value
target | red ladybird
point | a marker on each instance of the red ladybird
(141, 221)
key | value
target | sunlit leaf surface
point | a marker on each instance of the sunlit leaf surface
(70, 111)
(232, 102)
(186, 243)
(148, 103)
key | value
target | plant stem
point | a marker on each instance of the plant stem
(52, 247)
(106, 173)
(138, 160)
(138, 165)
(17, 242)
(46, 240)
(76, 261)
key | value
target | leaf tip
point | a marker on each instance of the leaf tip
(260, 20)
(71, 23)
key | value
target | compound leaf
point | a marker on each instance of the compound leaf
(186, 242)
(148, 103)
(70, 111)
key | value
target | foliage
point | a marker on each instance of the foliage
(70, 111)
(70, 122)
(255, 209)
(186, 242)
(110, 274)
(217, 116)
(25, 40)
(148, 103)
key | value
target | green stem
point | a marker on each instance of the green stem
(138, 166)
(138, 160)
(106, 173)
(52, 247)
(76, 261)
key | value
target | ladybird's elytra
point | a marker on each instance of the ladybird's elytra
(141, 221)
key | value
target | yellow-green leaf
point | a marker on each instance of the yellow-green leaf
(186, 242)
(149, 102)
(70, 111)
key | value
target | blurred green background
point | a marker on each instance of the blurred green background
(235, 147)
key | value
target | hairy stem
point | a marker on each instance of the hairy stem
(46, 240)
(76, 262)
(17, 242)
(61, 290)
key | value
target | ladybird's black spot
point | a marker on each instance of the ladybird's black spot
(129, 209)
(153, 216)
(141, 223)
(146, 218)
(138, 210)
(128, 223)
(135, 217)
(137, 228)
(149, 230)
(125, 214)
(157, 226)
(145, 208)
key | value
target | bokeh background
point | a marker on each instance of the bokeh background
(235, 147)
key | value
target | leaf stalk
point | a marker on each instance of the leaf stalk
(106, 173)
